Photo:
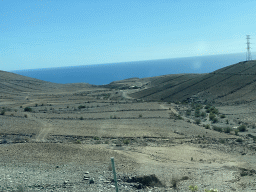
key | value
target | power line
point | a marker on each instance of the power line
(248, 53)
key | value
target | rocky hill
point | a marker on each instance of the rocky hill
(232, 84)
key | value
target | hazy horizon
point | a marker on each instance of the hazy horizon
(106, 73)
(45, 34)
(124, 62)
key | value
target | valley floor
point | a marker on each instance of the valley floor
(68, 139)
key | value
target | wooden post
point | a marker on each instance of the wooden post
(114, 172)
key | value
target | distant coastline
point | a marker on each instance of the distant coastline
(106, 73)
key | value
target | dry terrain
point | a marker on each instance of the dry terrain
(61, 137)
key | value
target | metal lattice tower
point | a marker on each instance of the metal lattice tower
(248, 53)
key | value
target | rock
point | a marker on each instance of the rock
(87, 172)
(65, 182)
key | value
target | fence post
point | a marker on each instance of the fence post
(114, 172)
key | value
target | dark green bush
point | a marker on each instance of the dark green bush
(203, 114)
(242, 128)
(197, 113)
(212, 116)
(214, 110)
(239, 140)
(207, 126)
(81, 106)
(207, 107)
(219, 129)
(198, 121)
(199, 106)
(227, 130)
(2, 112)
(27, 109)
(126, 141)
(222, 116)
(215, 120)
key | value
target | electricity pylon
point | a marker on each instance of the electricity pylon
(248, 53)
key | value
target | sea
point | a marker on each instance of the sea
(102, 74)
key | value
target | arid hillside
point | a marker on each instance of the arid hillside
(56, 137)
(232, 84)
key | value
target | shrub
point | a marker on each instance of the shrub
(126, 141)
(96, 138)
(227, 122)
(140, 115)
(222, 141)
(222, 116)
(214, 110)
(227, 130)
(78, 142)
(174, 183)
(28, 109)
(242, 128)
(26, 116)
(20, 106)
(219, 129)
(239, 140)
(212, 116)
(81, 118)
(207, 106)
(188, 112)
(193, 188)
(178, 117)
(2, 112)
(207, 126)
(81, 106)
(199, 106)
(215, 120)
(198, 121)
(197, 112)
(236, 132)
(203, 114)
(36, 105)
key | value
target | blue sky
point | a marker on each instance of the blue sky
(44, 33)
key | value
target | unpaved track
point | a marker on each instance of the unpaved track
(46, 128)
